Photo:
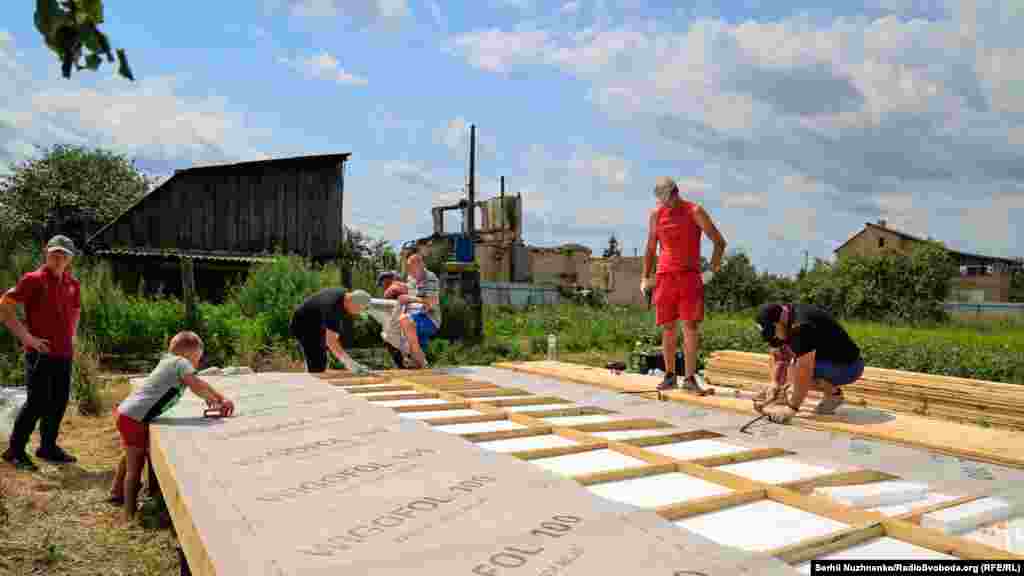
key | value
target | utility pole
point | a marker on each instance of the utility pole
(470, 215)
(805, 261)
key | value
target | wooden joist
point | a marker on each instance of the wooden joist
(991, 445)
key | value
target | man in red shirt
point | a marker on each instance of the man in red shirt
(677, 225)
(50, 296)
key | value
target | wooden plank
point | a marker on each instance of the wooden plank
(196, 555)
(496, 435)
(674, 438)
(838, 479)
(823, 507)
(623, 474)
(583, 375)
(700, 506)
(641, 454)
(625, 424)
(960, 547)
(914, 516)
(982, 444)
(536, 401)
(495, 394)
(556, 451)
(818, 547)
(745, 456)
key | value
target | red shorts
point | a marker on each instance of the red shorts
(134, 434)
(678, 296)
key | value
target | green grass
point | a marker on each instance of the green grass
(970, 348)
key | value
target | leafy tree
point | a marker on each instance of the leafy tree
(613, 248)
(69, 190)
(736, 286)
(1017, 286)
(71, 29)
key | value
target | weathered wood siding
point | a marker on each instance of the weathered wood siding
(292, 206)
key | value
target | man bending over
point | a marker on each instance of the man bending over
(423, 318)
(316, 324)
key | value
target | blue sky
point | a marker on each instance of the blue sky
(793, 125)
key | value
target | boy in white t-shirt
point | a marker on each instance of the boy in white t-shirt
(162, 389)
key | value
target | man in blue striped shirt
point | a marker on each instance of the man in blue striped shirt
(422, 318)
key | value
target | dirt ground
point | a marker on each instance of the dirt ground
(57, 520)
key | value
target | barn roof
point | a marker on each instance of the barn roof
(313, 159)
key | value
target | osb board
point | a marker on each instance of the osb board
(300, 482)
(982, 444)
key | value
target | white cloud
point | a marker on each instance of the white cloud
(744, 200)
(359, 12)
(570, 8)
(841, 121)
(608, 170)
(324, 66)
(495, 51)
(455, 136)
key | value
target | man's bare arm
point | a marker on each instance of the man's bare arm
(9, 316)
(334, 345)
(804, 377)
(652, 243)
(712, 232)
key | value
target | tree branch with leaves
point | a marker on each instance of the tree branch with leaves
(70, 29)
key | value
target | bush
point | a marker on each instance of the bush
(275, 289)
(85, 378)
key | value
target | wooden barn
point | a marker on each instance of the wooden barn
(223, 218)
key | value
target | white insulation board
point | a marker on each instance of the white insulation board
(931, 499)
(775, 470)
(588, 462)
(527, 443)
(476, 427)
(536, 407)
(640, 433)
(880, 549)
(694, 449)
(875, 494)
(760, 526)
(966, 517)
(660, 490)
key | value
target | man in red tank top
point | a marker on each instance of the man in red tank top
(676, 225)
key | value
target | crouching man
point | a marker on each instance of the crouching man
(423, 317)
(823, 354)
(316, 325)
(392, 333)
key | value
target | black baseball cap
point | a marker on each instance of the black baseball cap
(767, 316)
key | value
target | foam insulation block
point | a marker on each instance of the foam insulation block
(776, 470)
(760, 526)
(1005, 534)
(696, 449)
(440, 414)
(873, 494)
(931, 499)
(588, 462)
(576, 420)
(660, 490)
(627, 434)
(880, 549)
(527, 443)
(969, 516)
(475, 427)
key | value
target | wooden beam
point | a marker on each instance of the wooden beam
(506, 434)
(617, 425)
(369, 390)
(433, 407)
(641, 454)
(745, 456)
(914, 516)
(386, 397)
(945, 543)
(574, 411)
(521, 401)
(823, 507)
(690, 508)
(471, 419)
(851, 478)
(648, 441)
(624, 474)
(492, 393)
(818, 547)
(729, 480)
(555, 451)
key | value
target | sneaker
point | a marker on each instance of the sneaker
(690, 385)
(829, 404)
(20, 461)
(56, 455)
(668, 382)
